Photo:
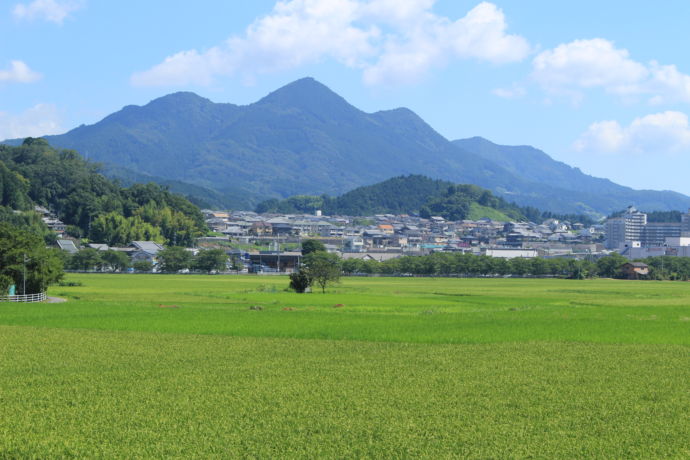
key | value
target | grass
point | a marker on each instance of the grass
(408, 367)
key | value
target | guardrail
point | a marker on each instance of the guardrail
(40, 297)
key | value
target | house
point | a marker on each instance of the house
(633, 270)
(275, 261)
(145, 250)
(67, 246)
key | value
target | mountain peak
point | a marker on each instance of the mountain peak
(179, 98)
(307, 94)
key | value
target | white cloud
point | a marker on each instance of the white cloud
(659, 133)
(18, 72)
(47, 10)
(514, 92)
(39, 120)
(391, 41)
(584, 64)
(431, 41)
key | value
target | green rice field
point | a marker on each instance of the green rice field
(163, 366)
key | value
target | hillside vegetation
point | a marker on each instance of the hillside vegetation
(415, 194)
(92, 205)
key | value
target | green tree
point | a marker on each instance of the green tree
(25, 259)
(209, 260)
(118, 261)
(174, 259)
(610, 266)
(300, 281)
(309, 246)
(323, 268)
(142, 266)
(86, 259)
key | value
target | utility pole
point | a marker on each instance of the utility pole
(24, 289)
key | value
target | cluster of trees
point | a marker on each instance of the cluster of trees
(25, 262)
(448, 264)
(668, 268)
(170, 260)
(457, 200)
(93, 206)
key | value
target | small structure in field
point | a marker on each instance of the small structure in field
(633, 270)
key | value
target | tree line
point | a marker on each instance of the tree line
(170, 260)
(460, 264)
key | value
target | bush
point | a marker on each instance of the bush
(300, 281)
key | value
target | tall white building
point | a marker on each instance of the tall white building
(626, 228)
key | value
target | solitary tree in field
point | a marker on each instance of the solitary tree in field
(323, 268)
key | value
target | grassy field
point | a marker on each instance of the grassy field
(406, 367)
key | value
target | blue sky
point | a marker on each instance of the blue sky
(604, 86)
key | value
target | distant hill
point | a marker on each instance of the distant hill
(602, 195)
(305, 139)
(413, 194)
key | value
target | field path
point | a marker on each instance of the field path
(56, 300)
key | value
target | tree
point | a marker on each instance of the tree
(117, 260)
(24, 260)
(300, 281)
(323, 268)
(209, 260)
(309, 246)
(86, 259)
(174, 259)
(142, 266)
(610, 266)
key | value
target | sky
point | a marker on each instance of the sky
(603, 86)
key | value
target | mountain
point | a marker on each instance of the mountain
(533, 165)
(305, 139)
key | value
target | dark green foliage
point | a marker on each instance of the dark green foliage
(65, 183)
(455, 203)
(116, 260)
(87, 259)
(322, 268)
(28, 221)
(174, 259)
(450, 264)
(142, 266)
(610, 266)
(309, 246)
(13, 189)
(300, 281)
(24, 253)
(209, 260)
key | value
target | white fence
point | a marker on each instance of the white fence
(40, 297)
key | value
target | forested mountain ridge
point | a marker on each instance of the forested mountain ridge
(305, 139)
(533, 165)
(93, 206)
(414, 194)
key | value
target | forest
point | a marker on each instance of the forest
(92, 205)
